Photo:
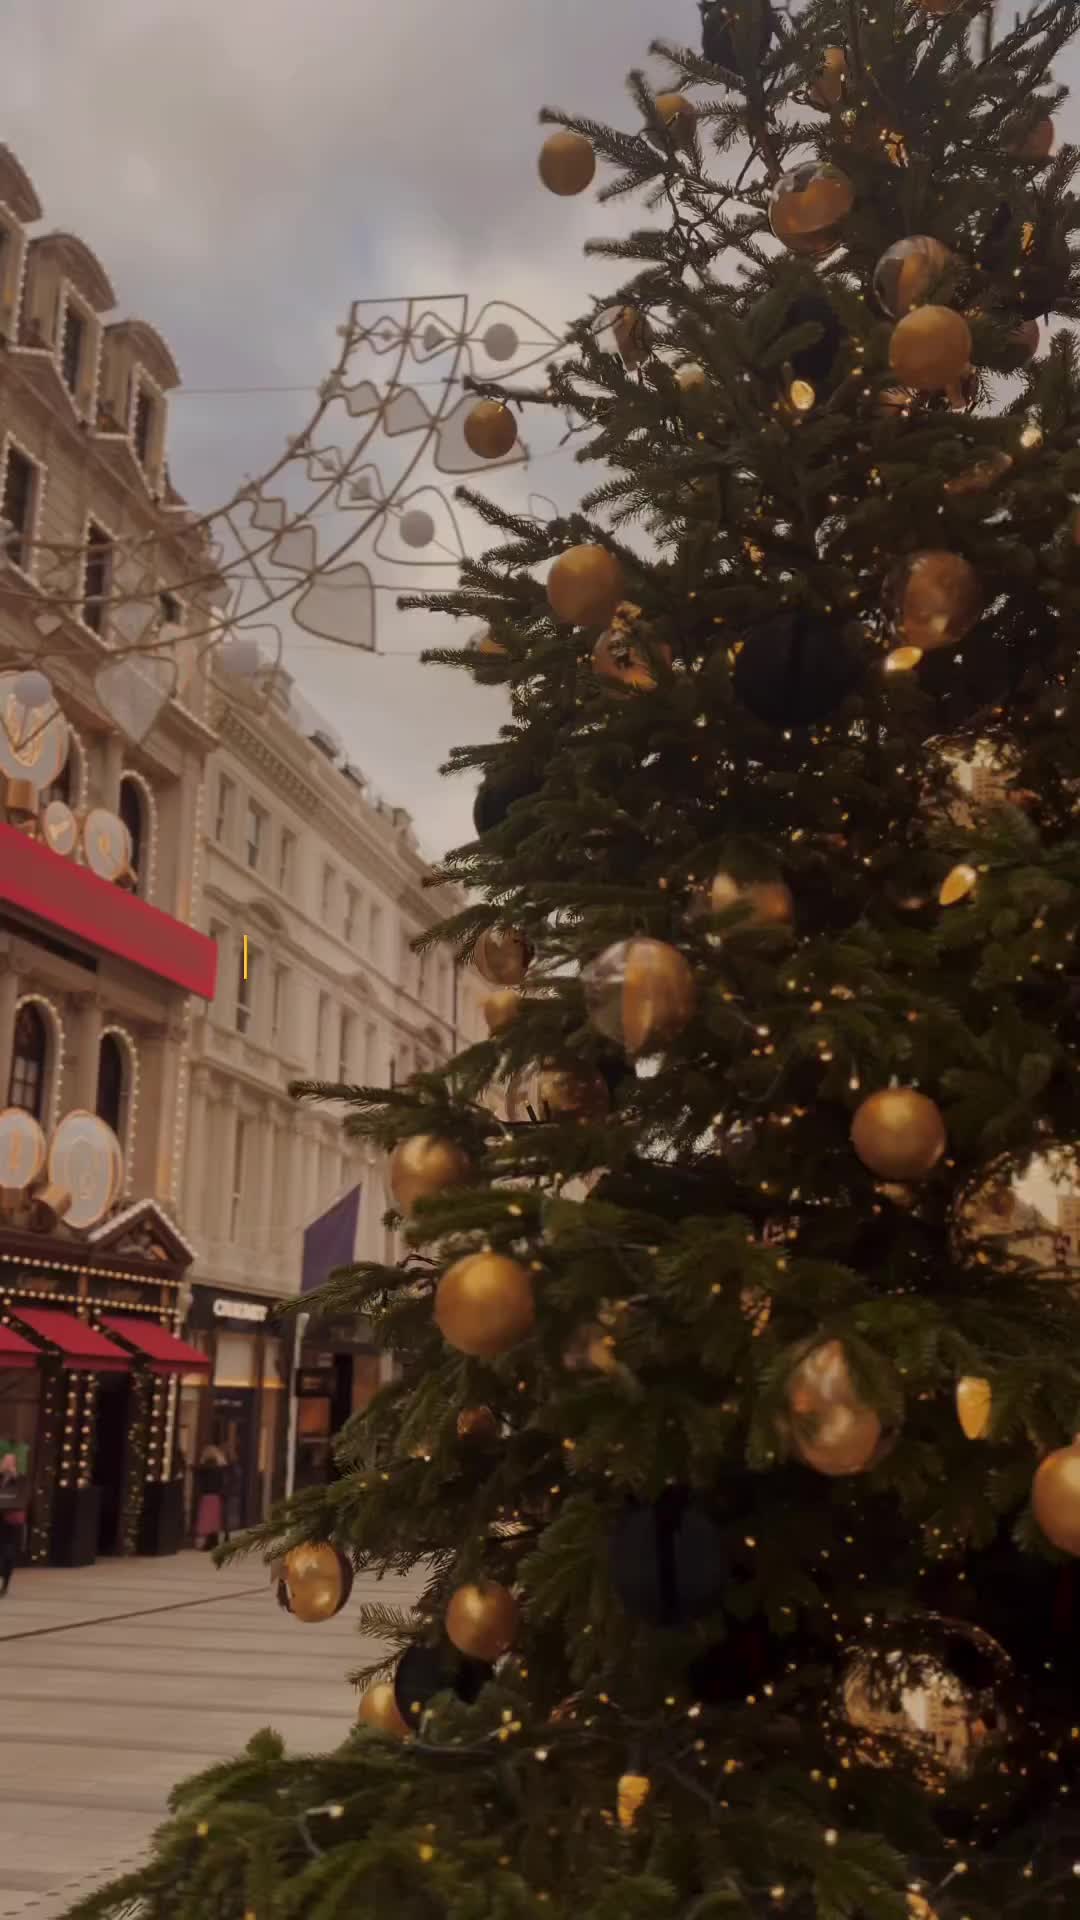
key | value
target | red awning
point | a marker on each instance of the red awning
(82, 1348)
(15, 1351)
(165, 1352)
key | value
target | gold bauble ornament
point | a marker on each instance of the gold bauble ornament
(616, 659)
(930, 348)
(490, 430)
(591, 1349)
(487, 644)
(477, 1424)
(585, 586)
(933, 599)
(631, 331)
(929, 1696)
(907, 271)
(766, 903)
(641, 993)
(983, 475)
(484, 1305)
(677, 114)
(319, 1581)
(378, 1709)
(567, 163)
(501, 956)
(808, 207)
(1037, 143)
(481, 1620)
(500, 1009)
(691, 378)
(569, 1093)
(827, 90)
(423, 1165)
(630, 1796)
(830, 1428)
(974, 1406)
(1055, 1498)
(899, 1134)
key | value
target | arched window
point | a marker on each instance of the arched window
(29, 1060)
(133, 815)
(113, 1085)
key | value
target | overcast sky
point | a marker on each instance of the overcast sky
(246, 168)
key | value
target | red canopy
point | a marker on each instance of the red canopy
(166, 1354)
(15, 1351)
(82, 1348)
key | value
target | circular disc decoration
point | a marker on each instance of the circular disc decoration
(86, 1159)
(34, 741)
(22, 1148)
(106, 844)
(60, 827)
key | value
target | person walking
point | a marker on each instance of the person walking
(210, 1487)
(12, 1518)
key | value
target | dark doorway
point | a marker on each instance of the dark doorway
(234, 1432)
(111, 1457)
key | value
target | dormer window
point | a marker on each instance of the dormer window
(72, 347)
(18, 506)
(97, 579)
(142, 426)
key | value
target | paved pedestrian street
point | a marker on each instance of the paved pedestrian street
(118, 1680)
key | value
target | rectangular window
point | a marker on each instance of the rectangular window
(286, 860)
(142, 427)
(375, 932)
(277, 1009)
(97, 578)
(72, 346)
(237, 1200)
(20, 493)
(223, 818)
(345, 1049)
(328, 879)
(352, 915)
(246, 977)
(256, 834)
(321, 1025)
(369, 1055)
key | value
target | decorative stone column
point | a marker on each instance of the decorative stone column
(87, 1025)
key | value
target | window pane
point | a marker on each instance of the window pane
(97, 577)
(143, 425)
(285, 860)
(110, 1086)
(223, 821)
(27, 1085)
(71, 346)
(256, 820)
(18, 506)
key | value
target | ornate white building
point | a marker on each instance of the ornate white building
(313, 890)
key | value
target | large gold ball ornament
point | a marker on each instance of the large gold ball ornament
(808, 207)
(477, 1425)
(899, 1134)
(378, 1709)
(1055, 1498)
(677, 114)
(930, 348)
(423, 1165)
(502, 956)
(482, 1620)
(765, 903)
(567, 163)
(929, 1695)
(490, 430)
(585, 586)
(907, 272)
(827, 90)
(500, 1009)
(933, 599)
(319, 1581)
(484, 1305)
(829, 1427)
(641, 993)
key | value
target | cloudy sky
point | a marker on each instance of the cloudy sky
(246, 168)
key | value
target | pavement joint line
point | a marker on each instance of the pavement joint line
(137, 1613)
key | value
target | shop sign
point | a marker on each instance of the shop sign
(313, 1384)
(229, 1309)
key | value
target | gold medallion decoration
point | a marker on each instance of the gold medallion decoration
(60, 827)
(86, 1160)
(106, 844)
(34, 741)
(22, 1148)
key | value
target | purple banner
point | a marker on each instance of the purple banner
(330, 1241)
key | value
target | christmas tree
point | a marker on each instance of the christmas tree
(733, 1436)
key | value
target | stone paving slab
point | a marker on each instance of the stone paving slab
(118, 1680)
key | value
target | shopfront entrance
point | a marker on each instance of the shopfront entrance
(240, 1406)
